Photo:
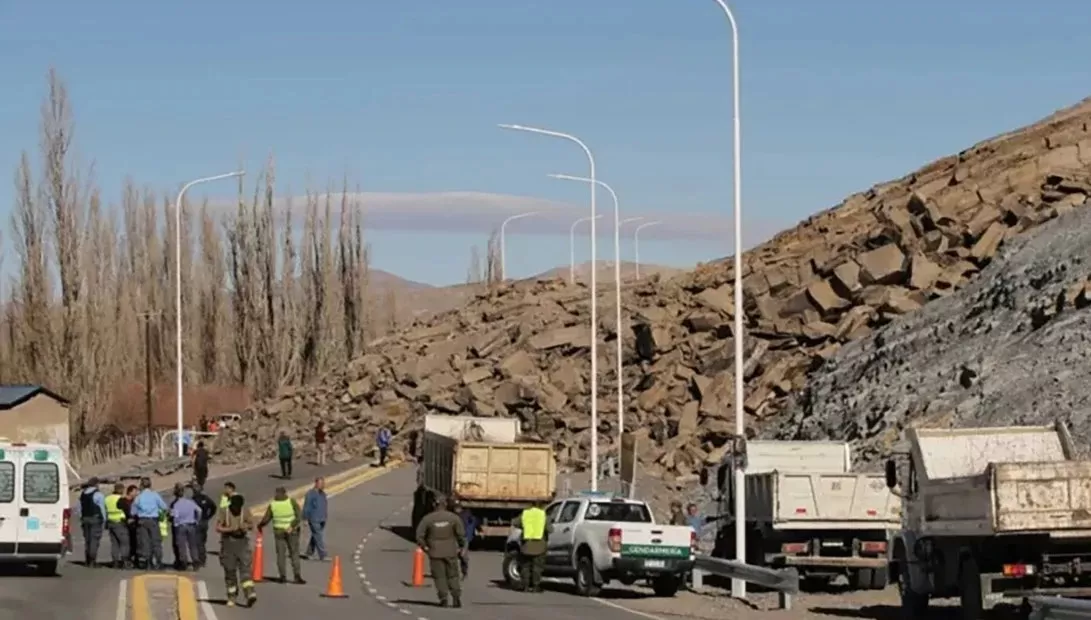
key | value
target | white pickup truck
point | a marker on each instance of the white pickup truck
(595, 538)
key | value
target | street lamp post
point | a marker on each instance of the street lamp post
(738, 586)
(628, 220)
(572, 247)
(178, 286)
(636, 244)
(617, 294)
(594, 300)
(503, 247)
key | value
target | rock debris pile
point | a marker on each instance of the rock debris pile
(838, 280)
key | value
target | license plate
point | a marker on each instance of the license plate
(655, 563)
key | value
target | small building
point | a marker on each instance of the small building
(33, 413)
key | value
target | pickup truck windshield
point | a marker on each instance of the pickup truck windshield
(618, 511)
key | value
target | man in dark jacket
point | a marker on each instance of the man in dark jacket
(284, 454)
(208, 513)
(442, 536)
(92, 520)
(199, 462)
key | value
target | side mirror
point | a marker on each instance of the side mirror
(704, 476)
(891, 474)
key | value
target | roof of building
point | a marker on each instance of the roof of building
(15, 395)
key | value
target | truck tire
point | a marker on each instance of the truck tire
(666, 585)
(880, 578)
(585, 577)
(510, 567)
(871, 578)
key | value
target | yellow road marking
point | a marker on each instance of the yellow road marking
(187, 600)
(141, 607)
(335, 484)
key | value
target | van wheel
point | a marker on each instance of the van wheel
(47, 569)
(585, 577)
(666, 585)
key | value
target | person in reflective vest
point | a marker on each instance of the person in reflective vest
(225, 497)
(117, 525)
(234, 525)
(285, 515)
(535, 531)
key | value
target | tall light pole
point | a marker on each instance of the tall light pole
(594, 298)
(572, 247)
(628, 220)
(503, 247)
(178, 285)
(636, 244)
(738, 586)
(617, 296)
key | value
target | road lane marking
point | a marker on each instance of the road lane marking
(206, 604)
(336, 484)
(123, 600)
(187, 599)
(642, 614)
(141, 606)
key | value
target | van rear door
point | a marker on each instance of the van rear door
(41, 503)
(9, 505)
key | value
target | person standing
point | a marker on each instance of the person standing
(383, 440)
(147, 507)
(187, 441)
(208, 514)
(234, 525)
(677, 516)
(284, 513)
(441, 535)
(320, 443)
(315, 512)
(533, 546)
(166, 526)
(92, 520)
(225, 495)
(285, 453)
(199, 463)
(130, 497)
(469, 526)
(185, 514)
(117, 525)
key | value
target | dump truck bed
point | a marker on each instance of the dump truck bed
(485, 473)
(822, 501)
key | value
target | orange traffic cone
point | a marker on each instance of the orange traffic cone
(418, 568)
(258, 571)
(333, 588)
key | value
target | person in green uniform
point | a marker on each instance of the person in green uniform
(442, 536)
(285, 515)
(532, 549)
(225, 496)
(117, 525)
(234, 525)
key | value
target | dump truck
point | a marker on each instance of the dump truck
(991, 515)
(483, 464)
(805, 508)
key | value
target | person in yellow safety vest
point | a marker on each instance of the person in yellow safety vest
(234, 525)
(535, 533)
(117, 526)
(286, 517)
(225, 497)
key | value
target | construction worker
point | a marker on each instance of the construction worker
(442, 536)
(532, 549)
(92, 519)
(286, 516)
(208, 515)
(117, 525)
(234, 525)
(148, 507)
(225, 496)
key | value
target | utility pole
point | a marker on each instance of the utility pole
(147, 316)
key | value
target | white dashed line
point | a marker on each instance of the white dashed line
(206, 605)
(363, 575)
(123, 600)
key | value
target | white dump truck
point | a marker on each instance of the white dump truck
(482, 463)
(991, 515)
(805, 508)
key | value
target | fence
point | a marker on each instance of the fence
(114, 449)
(1057, 608)
(784, 581)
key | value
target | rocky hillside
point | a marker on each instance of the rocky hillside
(836, 278)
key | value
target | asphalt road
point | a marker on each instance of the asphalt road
(94, 593)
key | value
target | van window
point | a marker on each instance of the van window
(7, 482)
(41, 483)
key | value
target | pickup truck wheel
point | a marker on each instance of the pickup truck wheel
(585, 577)
(512, 577)
(666, 585)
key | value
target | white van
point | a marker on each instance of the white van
(35, 517)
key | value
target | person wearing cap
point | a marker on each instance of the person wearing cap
(469, 525)
(92, 520)
(234, 525)
(117, 525)
(147, 509)
(286, 517)
(442, 536)
(534, 528)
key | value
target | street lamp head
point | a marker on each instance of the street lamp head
(511, 126)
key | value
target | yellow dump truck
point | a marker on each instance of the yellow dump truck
(482, 463)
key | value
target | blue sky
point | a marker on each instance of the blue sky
(404, 97)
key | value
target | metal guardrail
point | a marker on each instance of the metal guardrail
(1058, 608)
(784, 581)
